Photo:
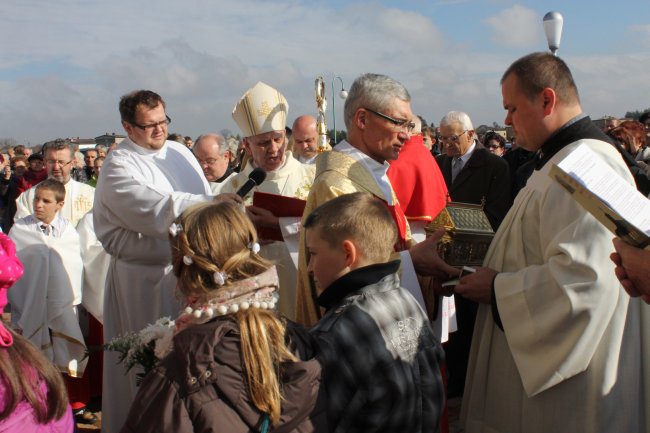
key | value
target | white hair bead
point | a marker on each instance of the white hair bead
(234, 308)
(209, 312)
(187, 260)
(264, 305)
(222, 309)
(197, 313)
(256, 304)
(188, 310)
(244, 305)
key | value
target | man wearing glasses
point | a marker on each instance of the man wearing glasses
(59, 156)
(472, 173)
(144, 184)
(379, 121)
(213, 153)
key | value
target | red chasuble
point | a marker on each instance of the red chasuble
(417, 181)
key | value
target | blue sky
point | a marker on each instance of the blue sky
(64, 64)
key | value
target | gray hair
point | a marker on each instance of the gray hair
(100, 148)
(233, 145)
(457, 117)
(418, 126)
(372, 91)
(223, 145)
(59, 144)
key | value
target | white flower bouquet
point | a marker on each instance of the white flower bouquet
(144, 349)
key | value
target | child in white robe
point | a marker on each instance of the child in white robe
(44, 301)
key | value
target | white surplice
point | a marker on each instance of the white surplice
(139, 194)
(78, 201)
(43, 300)
(96, 263)
(293, 179)
(575, 354)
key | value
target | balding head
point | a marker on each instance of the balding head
(211, 150)
(305, 137)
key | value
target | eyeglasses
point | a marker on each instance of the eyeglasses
(167, 121)
(494, 146)
(401, 125)
(452, 138)
(55, 162)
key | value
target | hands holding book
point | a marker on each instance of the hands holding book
(632, 269)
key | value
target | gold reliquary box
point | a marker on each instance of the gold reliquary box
(467, 234)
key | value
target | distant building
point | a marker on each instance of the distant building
(108, 139)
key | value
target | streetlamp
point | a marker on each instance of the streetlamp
(553, 28)
(342, 94)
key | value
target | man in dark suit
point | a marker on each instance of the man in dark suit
(473, 175)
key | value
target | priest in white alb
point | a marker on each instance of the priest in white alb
(261, 114)
(145, 183)
(59, 156)
(558, 346)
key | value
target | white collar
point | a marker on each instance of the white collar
(468, 154)
(377, 170)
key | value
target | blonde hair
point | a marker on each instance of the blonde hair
(217, 238)
(360, 217)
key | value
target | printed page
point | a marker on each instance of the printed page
(593, 173)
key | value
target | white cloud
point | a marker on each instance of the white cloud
(516, 27)
(69, 61)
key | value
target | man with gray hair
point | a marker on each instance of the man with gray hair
(59, 156)
(213, 153)
(379, 120)
(473, 175)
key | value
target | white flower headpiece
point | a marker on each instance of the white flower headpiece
(219, 278)
(175, 229)
(254, 247)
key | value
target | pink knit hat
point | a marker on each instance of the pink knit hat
(10, 271)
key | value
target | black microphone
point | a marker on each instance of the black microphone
(256, 177)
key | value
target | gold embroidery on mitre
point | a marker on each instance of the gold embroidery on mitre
(265, 109)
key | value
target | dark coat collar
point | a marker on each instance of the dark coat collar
(355, 280)
(581, 129)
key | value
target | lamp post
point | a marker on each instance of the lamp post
(343, 94)
(553, 28)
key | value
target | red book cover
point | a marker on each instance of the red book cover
(280, 206)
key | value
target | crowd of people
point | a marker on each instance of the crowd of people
(315, 299)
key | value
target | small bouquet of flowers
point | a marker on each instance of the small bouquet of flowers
(144, 349)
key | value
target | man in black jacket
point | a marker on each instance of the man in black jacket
(473, 175)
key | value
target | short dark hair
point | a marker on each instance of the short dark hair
(53, 185)
(35, 156)
(129, 103)
(59, 144)
(538, 71)
(359, 217)
(493, 135)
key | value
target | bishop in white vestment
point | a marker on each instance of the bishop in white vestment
(261, 115)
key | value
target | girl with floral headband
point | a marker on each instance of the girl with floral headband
(235, 366)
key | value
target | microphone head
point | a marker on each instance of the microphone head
(257, 175)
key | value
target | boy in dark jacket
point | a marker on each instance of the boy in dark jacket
(379, 354)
